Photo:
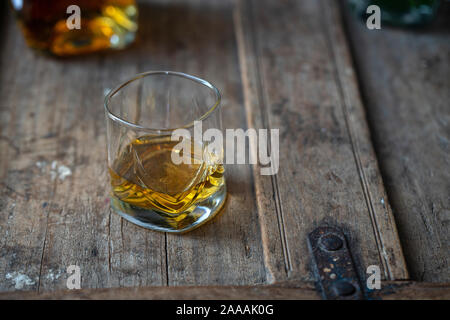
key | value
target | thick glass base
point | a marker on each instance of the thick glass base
(192, 218)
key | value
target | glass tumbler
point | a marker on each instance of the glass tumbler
(163, 175)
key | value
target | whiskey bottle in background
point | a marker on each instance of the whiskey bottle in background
(104, 24)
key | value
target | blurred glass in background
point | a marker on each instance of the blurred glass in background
(400, 12)
(104, 24)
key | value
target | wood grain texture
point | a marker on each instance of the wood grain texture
(405, 78)
(53, 112)
(408, 290)
(391, 290)
(228, 250)
(298, 78)
(293, 73)
(52, 115)
(304, 291)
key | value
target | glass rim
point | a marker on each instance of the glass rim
(138, 76)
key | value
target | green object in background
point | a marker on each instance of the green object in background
(400, 12)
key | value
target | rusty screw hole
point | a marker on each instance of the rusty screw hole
(330, 242)
(344, 288)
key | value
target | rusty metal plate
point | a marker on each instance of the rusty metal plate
(333, 265)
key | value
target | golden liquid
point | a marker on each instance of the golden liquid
(104, 24)
(145, 176)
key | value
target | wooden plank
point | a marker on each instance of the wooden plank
(298, 77)
(408, 290)
(52, 116)
(405, 79)
(293, 73)
(299, 292)
(392, 290)
(228, 250)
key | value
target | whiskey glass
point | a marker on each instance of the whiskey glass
(148, 188)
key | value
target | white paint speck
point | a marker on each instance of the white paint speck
(53, 275)
(20, 280)
(53, 175)
(63, 172)
(382, 201)
(41, 165)
(56, 170)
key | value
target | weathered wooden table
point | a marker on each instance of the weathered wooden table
(279, 64)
